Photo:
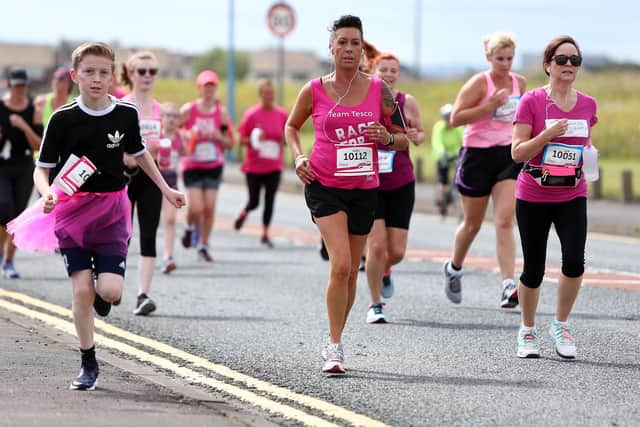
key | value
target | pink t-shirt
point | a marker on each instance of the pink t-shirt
(268, 156)
(494, 129)
(208, 153)
(342, 157)
(534, 108)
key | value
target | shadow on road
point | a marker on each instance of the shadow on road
(425, 379)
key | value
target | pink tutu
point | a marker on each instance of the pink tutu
(99, 222)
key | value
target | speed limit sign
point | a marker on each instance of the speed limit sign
(281, 19)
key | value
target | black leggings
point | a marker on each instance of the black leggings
(16, 184)
(534, 222)
(270, 182)
(143, 192)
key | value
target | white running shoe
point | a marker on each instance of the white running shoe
(509, 297)
(453, 284)
(333, 356)
(563, 338)
(375, 314)
(528, 344)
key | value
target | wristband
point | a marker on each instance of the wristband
(299, 159)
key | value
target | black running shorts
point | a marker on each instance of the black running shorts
(395, 206)
(359, 205)
(479, 169)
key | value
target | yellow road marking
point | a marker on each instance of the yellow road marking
(326, 408)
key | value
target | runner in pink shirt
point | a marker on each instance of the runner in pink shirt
(388, 237)
(139, 73)
(173, 145)
(552, 128)
(262, 133)
(485, 105)
(212, 133)
(341, 175)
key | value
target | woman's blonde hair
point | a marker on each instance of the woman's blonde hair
(498, 40)
(131, 64)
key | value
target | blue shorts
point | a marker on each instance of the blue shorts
(77, 259)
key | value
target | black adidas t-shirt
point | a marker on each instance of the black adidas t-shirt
(103, 136)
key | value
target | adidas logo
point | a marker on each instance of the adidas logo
(115, 139)
(121, 265)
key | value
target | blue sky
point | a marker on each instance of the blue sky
(451, 34)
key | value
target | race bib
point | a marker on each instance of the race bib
(175, 158)
(354, 160)
(577, 128)
(385, 161)
(74, 173)
(205, 152)
(505, 113)
(150, 129)
(269, 150)
(556, 154)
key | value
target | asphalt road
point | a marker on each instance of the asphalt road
(262, 312)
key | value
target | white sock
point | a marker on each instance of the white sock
(528, 328)
(561, 323)
(450, 269)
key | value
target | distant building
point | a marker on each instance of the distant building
(40, 60)
(298, 65)
(37, 59)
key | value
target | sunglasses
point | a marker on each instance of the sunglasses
(576, 60)
(143, 71)
(171, 115)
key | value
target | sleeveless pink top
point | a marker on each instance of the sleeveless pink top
(207, 152)
(150, 125)
(342, 157)
(495, 129)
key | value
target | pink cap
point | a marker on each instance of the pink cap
(63, 72)
(207, 77)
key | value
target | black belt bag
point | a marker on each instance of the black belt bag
(554, 176)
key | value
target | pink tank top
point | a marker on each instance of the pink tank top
(342, 157)
(208, 153)
(495, 129)
(150, 125)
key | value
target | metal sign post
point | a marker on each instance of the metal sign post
(281, 21)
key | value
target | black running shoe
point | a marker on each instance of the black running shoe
(144, 306)
(363, 263)
(101, 306)
(239, 222)
(88, 377)
(265, 240)
(186, 238)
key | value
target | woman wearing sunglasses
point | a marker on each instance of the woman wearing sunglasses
(139, 74)
(486, 104)
(552, 126)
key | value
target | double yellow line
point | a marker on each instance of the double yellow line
(58, 318)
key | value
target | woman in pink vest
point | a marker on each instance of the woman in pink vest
(139, 73)
(341, 175)
(486, 105)
(388, 238)
(211, 134)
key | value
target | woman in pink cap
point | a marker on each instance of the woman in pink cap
(211, 134)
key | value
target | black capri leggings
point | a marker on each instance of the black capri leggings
(271, 181)
(148, 198)
(534, 222)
